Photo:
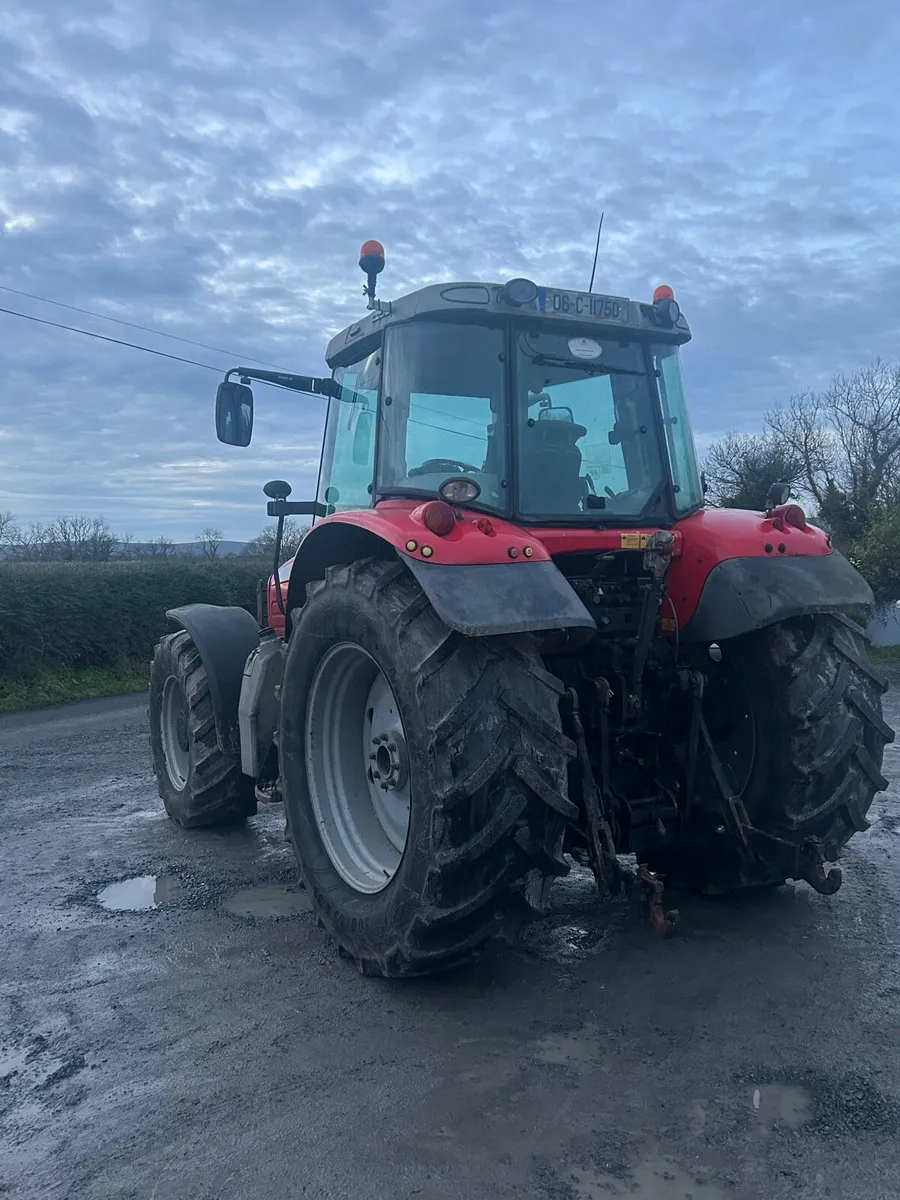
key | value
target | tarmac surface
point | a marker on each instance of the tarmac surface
(205, 1040)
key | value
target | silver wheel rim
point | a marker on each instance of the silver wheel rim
(357, 768)
(175, 738)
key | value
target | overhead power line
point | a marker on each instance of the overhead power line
(116, 341)
(193, 363)
(87, 312)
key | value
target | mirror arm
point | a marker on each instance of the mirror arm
(295, 383)
(279, 536)
(296, 508)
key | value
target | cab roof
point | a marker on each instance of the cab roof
(589, 310)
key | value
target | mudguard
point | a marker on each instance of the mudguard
(480, 584)
(747, 593)
(224, 637)
(489, 599)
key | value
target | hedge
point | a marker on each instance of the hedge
(78, 615)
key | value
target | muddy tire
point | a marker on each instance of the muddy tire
(795, 713)
(198, 783)
(482, 764)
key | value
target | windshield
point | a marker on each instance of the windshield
(583, 411)
(586, 427)
(444, 410)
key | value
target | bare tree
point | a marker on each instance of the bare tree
(160, 547)
(803, 427)
(9, 531)
(31, 544)
(848, 437)
(263, 545)
(209, 540)
(79, 539)
(741, 467)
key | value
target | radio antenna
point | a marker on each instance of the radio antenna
(596, 252)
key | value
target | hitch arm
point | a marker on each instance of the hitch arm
(601, 847)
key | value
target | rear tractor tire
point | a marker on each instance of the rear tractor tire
(424, 774)
(198, 783)
(794, 711)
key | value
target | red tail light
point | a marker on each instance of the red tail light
(439, 518)
(794, 515)
(789, 514)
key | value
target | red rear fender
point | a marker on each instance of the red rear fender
(484, 577)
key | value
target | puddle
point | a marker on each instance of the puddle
(564, 943)
(12, 1060)
(141, 893)
(30, 1067)
(656, 1179)
(566, 1049)
(268, 900)
(782, 1104)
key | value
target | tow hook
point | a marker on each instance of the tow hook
(662, 922)
(812, 868)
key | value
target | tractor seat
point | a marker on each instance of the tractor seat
(551, 467)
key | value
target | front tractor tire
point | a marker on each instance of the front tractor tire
(199, 784)
(794, 711)
(424, 774)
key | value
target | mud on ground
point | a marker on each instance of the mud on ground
(173, 1024)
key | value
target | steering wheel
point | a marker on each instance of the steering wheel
(436, 465)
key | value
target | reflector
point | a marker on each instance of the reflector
(438, 516)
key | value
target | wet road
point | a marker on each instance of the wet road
(214, 1046)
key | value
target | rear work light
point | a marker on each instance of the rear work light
(439, 517)
(519, 292)
(459, 491)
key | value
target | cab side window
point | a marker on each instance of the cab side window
(348, 453)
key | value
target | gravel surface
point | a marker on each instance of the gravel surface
(210, 1044)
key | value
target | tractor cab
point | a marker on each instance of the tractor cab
(535, 404)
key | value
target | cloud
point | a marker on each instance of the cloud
(210, 170)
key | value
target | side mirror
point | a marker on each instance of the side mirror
(362, 438)
(234, 413)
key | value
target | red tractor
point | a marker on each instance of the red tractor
(514, 635)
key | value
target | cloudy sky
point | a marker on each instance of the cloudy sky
(210, 167)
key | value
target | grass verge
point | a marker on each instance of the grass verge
(885, 654)
(59, 685)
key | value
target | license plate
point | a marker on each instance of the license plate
(583, 304)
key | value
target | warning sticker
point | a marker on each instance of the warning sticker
(634, 541)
